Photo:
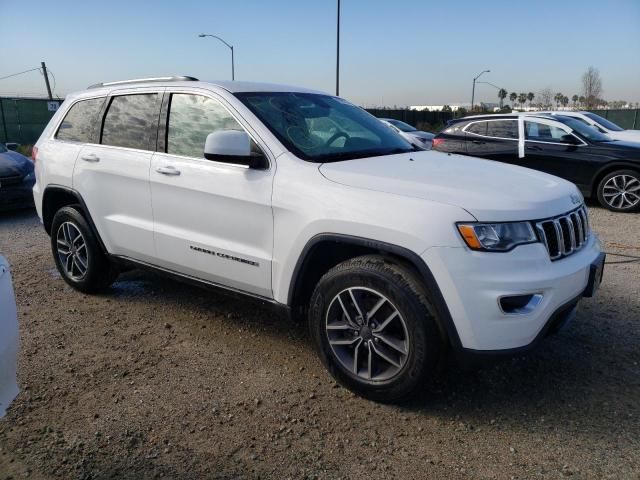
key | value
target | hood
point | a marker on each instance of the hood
(12, 164)
(490, 191)
(628, 135)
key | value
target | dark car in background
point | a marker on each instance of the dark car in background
(602, 168)
(410, 133)
(16, 179)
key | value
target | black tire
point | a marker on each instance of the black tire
(607, 187)
(99, 273)
(405, 293)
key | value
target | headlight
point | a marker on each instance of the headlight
(496, 237)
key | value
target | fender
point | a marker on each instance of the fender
(442, 310)
(46, 214)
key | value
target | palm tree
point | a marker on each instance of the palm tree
(502, 94)
(558, 99)
(565, 101)
(574, 99)
(581, 100)
(513, 96)
(522, 98)
(530, 97)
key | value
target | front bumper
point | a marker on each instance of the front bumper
(473, 282)
(16, 196)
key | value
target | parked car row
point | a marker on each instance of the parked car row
(16, 179)
(562, 144)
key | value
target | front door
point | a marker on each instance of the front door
(212, 220)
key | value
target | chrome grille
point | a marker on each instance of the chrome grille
(565, 234)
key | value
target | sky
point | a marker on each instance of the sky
(412, 52)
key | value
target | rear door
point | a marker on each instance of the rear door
(113, 175)
(212, 220)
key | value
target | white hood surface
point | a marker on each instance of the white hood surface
(490, 191)
(8, 339)
(627, 135)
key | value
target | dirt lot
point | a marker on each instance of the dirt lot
(156, 379)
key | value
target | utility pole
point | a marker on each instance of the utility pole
(338, 52)
(473, 92)
(46, 79)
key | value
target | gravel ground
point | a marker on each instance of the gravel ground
(157, 379)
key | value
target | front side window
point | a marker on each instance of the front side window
(543, 133)
(131, 121)
(80, 122)
(322, 128)
(191, 119)
(405, 127)
(503, 129)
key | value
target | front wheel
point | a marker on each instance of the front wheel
(375, 328)
(619, 191)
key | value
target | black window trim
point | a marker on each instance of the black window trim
(153, 133)
(163, 126)
(65, 112)
(464, 129)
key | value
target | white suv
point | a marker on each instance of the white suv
(306, 201)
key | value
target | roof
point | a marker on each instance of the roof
(184, 81)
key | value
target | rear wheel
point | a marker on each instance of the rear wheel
(619, 191)
(77, 254)
(375, 329)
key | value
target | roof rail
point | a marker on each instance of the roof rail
(144, 80)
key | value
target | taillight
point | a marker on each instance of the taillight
(34, 154)
(436, 142)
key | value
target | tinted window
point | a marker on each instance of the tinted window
(405, 127)
(131, 121)
(79, 124)
(503, 129)
(604, 122)
(542, 132)
(191, 119)
(323, 128)
(479, 128)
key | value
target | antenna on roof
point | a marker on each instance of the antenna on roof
(145, 80)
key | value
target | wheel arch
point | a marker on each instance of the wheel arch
(56, 197)
(324, 251)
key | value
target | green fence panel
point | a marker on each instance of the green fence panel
(22, 120)
(627, 119)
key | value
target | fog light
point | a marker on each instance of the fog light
(519, 304)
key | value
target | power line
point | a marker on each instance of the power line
(20, 73)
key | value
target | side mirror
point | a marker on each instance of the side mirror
(11, 146)
(232, 146)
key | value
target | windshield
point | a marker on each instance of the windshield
(2, 148)
(322, 128)
(405, 127)
(587, 131)
(604, 122)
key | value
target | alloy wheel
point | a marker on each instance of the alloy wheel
(72, 251)
(622, 192)
(367, 334)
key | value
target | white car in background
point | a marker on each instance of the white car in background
(411, 134)
(603, 125)
(8, 339)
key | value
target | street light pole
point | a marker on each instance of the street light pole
(233, 75)
(473, 91)
(338, 51)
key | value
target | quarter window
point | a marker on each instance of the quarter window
(191, 119)
(79, 124)
(543, 133)
(479, 128)
(503, 129)
(131, 121)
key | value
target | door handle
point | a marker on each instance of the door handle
(90, 158)
(168, 170)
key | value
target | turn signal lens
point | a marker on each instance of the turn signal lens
(469, 236)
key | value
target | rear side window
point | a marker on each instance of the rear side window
(543, 133)
(191, 119)
(131, 121)
(80, 122)
(503, 129)
(479, 128)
